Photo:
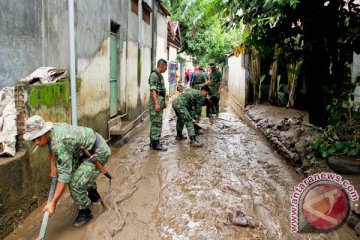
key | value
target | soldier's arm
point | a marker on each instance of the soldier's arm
(156, 101)
(152, 81)
(59, 190)
(52, 161)
(221, 83)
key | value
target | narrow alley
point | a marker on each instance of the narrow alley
(187, 193)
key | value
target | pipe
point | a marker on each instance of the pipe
(72, 63)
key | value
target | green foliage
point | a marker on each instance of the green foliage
(203, 34)
(334, 141)
(181, 60)
(340, 106)
(312, 160)
(281, 97)
(328, 148)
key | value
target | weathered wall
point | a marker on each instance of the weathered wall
(24, 179)
(139, 64)
(162, 45)
(20, 39)
(237, 80)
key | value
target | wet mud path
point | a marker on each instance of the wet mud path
(187, 193)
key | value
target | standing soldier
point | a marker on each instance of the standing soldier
(191, 100)
(69, 150)
(157, 104)
(198, 79)
(215, 84)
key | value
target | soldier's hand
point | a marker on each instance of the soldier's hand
(53, 171)
(49, 207)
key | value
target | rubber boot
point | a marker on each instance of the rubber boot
(156, 145)
(83, 217)
(179, 137)
(194, 142)
(198, 130)
(93, 195)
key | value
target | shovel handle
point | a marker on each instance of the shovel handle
(47, 214)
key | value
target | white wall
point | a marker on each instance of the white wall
(237, 82)
(161, 45)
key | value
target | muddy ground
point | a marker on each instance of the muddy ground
(187, 193)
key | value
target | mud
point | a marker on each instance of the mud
(187, 193)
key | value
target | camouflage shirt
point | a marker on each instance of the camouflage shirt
(215, 79)
(193, 100)
(65, 144)
(156, 82)
(199, 78)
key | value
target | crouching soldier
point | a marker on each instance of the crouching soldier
(69, 147)
(191, 100)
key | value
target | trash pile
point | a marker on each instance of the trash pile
(8, 129)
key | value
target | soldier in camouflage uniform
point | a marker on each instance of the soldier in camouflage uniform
(157, 104)
(215, 84)
(191, 100)
(69, 161)
(199, 79)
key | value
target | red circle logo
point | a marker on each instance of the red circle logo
(325, 206)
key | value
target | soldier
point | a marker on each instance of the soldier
(215, 84)
(157, 104)
(198, 79)
(68, 161)
(183, 105)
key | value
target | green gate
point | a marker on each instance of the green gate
(114, 71)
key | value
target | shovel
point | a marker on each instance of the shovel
(46, 214)
(200, 125)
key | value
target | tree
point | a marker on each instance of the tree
(323, 34)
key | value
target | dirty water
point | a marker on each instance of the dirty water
(187, 193)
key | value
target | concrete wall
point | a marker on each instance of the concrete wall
(237, 79)
(162, 44)
(35, 34)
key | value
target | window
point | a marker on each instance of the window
(135, 6)
(146, 11)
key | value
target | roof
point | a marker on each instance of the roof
(174, 36)
(163, 9)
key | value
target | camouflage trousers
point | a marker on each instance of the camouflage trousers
(210, 110)
(183, 118)
(156, 119)
(84, 176)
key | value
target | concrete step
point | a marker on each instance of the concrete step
(121, 128)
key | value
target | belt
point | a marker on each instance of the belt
(161, 93)
(96, 144)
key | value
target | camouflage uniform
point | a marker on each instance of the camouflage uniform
(215, 81)
(73, 166)
(199, 79)
(156, 82)
(183, 105)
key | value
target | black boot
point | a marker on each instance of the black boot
(93, 195)
(156, 145)
(83, 217)
(179, 137)
(194, 142)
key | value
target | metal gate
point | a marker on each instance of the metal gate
(172, 77)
